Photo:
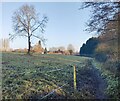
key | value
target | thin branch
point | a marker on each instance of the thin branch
(41, 25)
(41, 38)
(36, 28)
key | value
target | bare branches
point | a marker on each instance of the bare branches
(13, 36)
(102, 13)
(41, 38)
(25, 20)
(26, 23)
(40, 25)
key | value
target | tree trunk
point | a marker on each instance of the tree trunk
(29, 45)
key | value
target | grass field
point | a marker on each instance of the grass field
(48, 76)
(34, 76)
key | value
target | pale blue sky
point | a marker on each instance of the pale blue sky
(65, 26)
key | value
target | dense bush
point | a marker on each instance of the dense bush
(101, 57)
(112, 66)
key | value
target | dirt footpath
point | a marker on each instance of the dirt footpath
(91, 83)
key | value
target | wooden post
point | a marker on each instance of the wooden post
(74, 77)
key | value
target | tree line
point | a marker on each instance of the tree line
(105, 21)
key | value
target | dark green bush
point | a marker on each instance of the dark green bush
(101, 57)
(112, 67)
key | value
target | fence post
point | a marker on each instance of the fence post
(74, 77)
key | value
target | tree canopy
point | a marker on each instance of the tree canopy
(88, 49)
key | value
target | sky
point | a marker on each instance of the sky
(65, 26)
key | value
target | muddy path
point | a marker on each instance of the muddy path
(91, 83)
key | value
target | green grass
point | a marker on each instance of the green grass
(112, 80)
(25, 76)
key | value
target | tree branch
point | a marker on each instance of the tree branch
(41, 25)
(41, 38)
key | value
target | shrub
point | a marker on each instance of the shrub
(101, 57)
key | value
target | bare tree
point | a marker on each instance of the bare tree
(52, 49)
(62, 48)
(71, 49)
(26, 23)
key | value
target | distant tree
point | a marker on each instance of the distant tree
(26, 22)
(37, 48)
(52, 49)
(61, 48)
(89, 48)
(71, 49)
(83, 49)
(45, 50)
(4, 45)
